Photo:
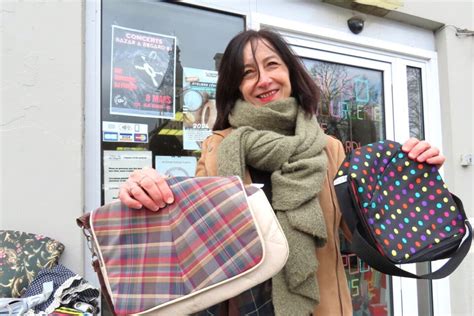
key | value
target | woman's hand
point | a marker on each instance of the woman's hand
(147, 188)
(421, 151)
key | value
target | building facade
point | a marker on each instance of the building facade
(94, 89)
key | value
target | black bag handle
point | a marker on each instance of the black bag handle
(377, 261)
(369, 254)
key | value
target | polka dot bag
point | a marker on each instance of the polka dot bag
(400, 211)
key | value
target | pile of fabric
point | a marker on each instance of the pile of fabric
(33, 283)
(51, 291)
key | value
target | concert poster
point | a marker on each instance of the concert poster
(143, 66)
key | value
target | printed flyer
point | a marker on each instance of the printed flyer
(117, 167)
(199, 106)
(142, 79)
(176, 166)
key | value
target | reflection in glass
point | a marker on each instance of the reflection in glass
(351, 108)
(351, 105)
(415, 102)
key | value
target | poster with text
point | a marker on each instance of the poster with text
(176, 166)
(199, 106)
(117, 167)
(142, 79)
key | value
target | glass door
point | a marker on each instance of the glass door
(355, 107)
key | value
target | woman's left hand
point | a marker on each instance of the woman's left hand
(421, 151)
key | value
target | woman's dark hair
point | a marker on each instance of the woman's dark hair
(231, 72)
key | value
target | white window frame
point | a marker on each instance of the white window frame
(92, 111)
(399, 57)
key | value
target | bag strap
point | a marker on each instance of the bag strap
(84, 223)
(377, 261)
(103, 288)
(369, 254)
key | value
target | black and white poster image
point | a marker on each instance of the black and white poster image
(142, 73)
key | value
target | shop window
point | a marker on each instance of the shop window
(159, 70)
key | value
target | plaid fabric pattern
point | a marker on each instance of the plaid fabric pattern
(152, 258)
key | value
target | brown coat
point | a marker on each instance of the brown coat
(333, 287)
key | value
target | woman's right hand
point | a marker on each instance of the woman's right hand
(146, 187)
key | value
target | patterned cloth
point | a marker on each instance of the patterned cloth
(69, 288)
(22, 256)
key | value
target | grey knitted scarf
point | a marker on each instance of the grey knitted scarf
(281, 139)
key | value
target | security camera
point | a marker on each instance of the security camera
(356, 24)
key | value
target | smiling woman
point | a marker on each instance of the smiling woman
(266, 77)
(248, 57)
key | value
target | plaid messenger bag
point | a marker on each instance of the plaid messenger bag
(215, 241)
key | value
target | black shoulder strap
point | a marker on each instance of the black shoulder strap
(377, 261)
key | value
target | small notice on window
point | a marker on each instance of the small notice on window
(117, 167)
(142, 79)
(124, 132)
(176, 166)
(199, 106)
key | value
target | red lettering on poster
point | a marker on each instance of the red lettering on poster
(162, 99)
(125, 85)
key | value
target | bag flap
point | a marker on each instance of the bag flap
(205, 237)
(403, 204)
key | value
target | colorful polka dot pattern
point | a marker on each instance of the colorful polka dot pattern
(406, 203)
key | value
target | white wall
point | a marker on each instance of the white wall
(456, 69)
(453, 12)
(41, 122)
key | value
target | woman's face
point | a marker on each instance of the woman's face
(266, 77)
